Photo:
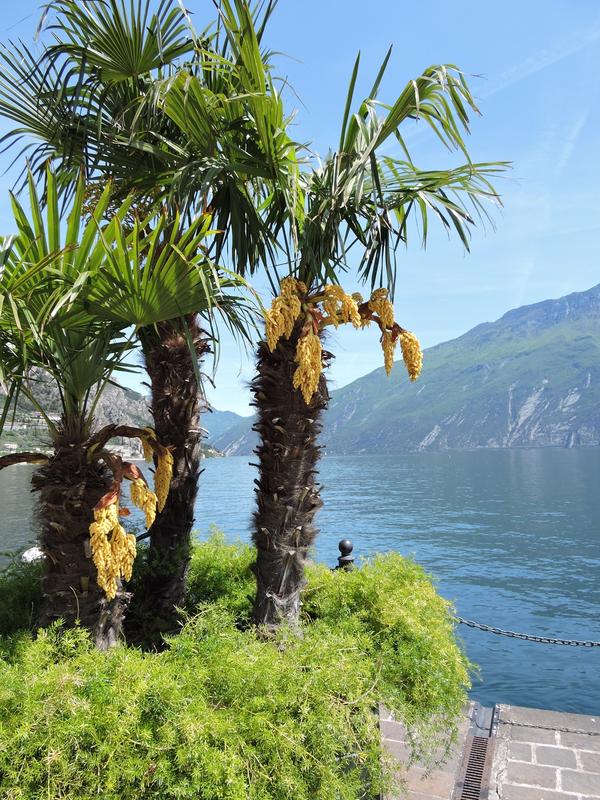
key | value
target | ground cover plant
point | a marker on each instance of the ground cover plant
(220, 713)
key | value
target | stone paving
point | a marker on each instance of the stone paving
(418, 783)
(545, 755)
(537, 755)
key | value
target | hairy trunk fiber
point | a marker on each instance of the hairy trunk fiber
(176, 413)
(288, 496)
(68, 490)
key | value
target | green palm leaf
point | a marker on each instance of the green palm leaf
(359, 197)
(117, 41)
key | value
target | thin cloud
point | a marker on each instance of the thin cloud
(530, 66)
(543, 59)
(570, 141)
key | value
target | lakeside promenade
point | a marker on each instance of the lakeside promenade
(507, 753)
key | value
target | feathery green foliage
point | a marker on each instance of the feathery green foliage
(392, 602)
(222, 714)
(221, 573)
(20, 595)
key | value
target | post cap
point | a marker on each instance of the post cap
(345, 547)
(345, 559)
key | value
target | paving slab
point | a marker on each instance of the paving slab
(545, 755)
(418, 781)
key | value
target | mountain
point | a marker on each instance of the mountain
(530, 379)
(27, 429)
(117, 405)
(240, 439)
(217, 423)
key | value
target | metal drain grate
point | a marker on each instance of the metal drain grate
(474, 773)
(473, 780)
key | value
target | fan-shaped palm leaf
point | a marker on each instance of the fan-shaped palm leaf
(117, 41)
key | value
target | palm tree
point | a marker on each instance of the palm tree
(192, 120)
(68, 293)
(361, 198)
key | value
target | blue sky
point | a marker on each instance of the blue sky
(535, 70)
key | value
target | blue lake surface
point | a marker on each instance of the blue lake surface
(512, 537)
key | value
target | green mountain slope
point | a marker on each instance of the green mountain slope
(532, 378)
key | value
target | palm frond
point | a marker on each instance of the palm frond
(46, 271)
(117, 41)
(362, 198)
(152, 275)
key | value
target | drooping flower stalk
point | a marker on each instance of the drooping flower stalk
(334, 307)
(144, 499)
(162, 478)
(411, 353)
(113, 549)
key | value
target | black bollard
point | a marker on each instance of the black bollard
(345, 559)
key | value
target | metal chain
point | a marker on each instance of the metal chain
(526, 636)
(578, 731)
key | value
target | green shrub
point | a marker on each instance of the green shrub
(221, 714)
(221, 573)
(20, 595)
(392, 602)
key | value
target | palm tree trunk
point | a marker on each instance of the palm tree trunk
(69, 488)
(176, 412)
(288, 496)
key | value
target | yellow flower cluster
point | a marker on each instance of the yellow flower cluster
(388, 345)
(411, 349)
(359, 300)
(380, 304)
(284, 311)
(123, 547)
(112, 557)
(339, 308)
(145, 499)
(162, 478)
(310, 364)
(338, 305)
(113, 549)
(147, 436)
(148, 451)
(411, 353)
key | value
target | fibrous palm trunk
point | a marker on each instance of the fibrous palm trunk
(287, 493)
(69, 488)
(169, 351)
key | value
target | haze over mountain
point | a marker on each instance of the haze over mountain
(530, 379)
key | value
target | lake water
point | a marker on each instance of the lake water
(513, 538)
